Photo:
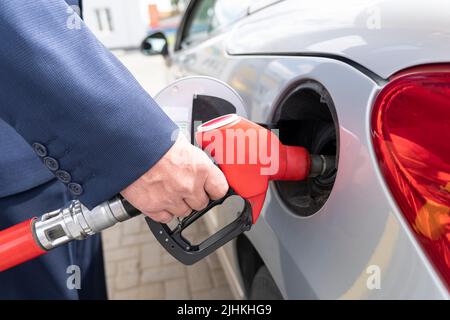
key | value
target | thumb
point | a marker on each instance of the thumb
(216, 185)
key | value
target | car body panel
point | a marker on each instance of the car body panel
(329, 255)
(359, 226)
(384, 36)
(359, 230)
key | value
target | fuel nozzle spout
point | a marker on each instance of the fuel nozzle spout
(322, 166)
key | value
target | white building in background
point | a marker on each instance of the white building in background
(121, 23)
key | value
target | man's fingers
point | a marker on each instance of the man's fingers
(180, 209)
(162, 216)
(216, 184)
(198, 201)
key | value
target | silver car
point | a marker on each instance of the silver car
(367, 81)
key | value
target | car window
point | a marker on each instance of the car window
(209, 16)
(228, 11)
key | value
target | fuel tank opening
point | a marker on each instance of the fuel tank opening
(306, 117)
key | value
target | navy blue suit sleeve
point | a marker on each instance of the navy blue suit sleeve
(61, 88)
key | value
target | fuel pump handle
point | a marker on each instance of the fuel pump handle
(181, 248)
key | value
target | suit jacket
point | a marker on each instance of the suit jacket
(69, 109)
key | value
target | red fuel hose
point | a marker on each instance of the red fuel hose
(17, 245)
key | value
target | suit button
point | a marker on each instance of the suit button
(75, 188)
(40, 149)
(63, 176)
(51, 163)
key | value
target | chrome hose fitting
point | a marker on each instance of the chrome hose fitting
(76, 222)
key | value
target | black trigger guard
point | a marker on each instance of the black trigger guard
(187, 253)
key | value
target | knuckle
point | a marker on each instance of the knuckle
(195, 206)
(204, 203)
(186, 187)
(203, 169)
(165, 218)
(162, 217)
(219, 186)
(198, 206)
(180, 210)
(152, 215)
(186, 213)
(200, 201)
(223, 189)
(178, 213)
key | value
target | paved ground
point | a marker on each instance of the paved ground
(137, 266)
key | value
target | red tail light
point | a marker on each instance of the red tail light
(411, 137)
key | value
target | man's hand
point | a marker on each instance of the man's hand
(181, 181)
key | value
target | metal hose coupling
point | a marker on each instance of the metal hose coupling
(76, 222)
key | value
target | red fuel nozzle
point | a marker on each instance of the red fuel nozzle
(250, 156)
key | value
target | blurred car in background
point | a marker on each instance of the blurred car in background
(365, 80)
